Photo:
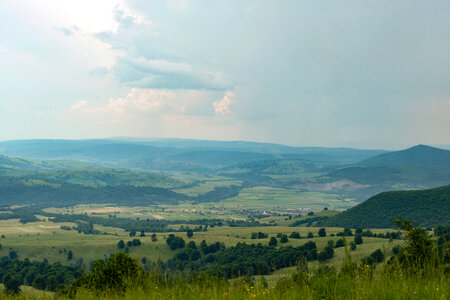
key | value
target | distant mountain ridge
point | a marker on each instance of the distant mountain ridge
(173, 154)
(423, 207)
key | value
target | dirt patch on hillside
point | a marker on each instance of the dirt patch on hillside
(158, 217)
(48, 227)
(331, 186)
(104, 210)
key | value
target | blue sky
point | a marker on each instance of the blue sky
(368, 74)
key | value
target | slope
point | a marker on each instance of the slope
(423, 207)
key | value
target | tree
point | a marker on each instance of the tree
(348, 232)
(339, 243)
(322, 232)
(311, 213)
(284, 239)
(110, 276)
(175, 242)
(377, 255)
(154, 237)
(121, 244)
(142, 233)
(419, 250)
(310, 235)
(13, 254)
(273, 242)
(69, 255)
(12, 285)
(327, 253)
(358, 239)
(192, 245)
(353, 246)
(295, 235)
(189, 233)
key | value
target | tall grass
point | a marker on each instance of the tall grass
(356, 282)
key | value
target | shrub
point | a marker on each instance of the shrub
(175, 242)
(322, 232)
(339, 243)
(12, 284)
(273, 242)
(295, 235)
(327, 253)
(111, 276)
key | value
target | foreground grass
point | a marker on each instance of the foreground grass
(365, 284)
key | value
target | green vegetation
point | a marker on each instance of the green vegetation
(424, 208)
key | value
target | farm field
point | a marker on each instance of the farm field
(275, 199)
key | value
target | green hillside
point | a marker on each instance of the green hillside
(19, 191)
(420, 155)
(423, 207)
(98, 177)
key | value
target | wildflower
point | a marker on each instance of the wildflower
(415, 293)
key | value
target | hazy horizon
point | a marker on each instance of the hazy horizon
(329, 74)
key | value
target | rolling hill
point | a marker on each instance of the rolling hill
(423, 207)
(21, 191)
(420, 155)
(419, 167)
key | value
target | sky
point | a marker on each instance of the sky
(364, 74)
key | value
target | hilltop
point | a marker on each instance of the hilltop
(419, 167)
(420, 155)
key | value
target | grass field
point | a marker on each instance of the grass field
(45, 240)
(267, 198)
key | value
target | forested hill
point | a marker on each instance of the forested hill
(420, 155)
(423, 207)
(19, 191)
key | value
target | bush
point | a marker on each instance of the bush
(121, 244)
(322, 232)
(273, 242)
(358, 239)
(348, 232)
(154, 238)
(12, 285)
(284, 239)
(377, 255)
(327, 253)
(339, 243)
(175, 242)
(295, 235)
(12, 254)
(419, 250)
(111, 276)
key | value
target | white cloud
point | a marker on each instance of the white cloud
(136, 101)
(79, 105)
(222, 107)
